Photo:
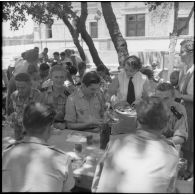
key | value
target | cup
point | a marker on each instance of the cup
(89, 139)
(78, 148)
(105, 132)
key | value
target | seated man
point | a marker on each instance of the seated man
(177, 127)
(44, 76)
(19, 99)
(57, 94)
(85, 107)
(31, 165)
(142, 162)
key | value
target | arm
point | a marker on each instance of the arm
(70, 181)
(187, 97)
(181, 129)
(81, 126)
(71, 117)
(113, 87)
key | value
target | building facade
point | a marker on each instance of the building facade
(146, 33)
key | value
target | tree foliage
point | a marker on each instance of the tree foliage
(162, 9)
(45, 12)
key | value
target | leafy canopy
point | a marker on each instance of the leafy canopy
(41, 12)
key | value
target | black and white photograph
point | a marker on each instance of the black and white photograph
(98, 97)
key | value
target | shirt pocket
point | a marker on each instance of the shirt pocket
(81, 109)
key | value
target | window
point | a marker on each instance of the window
(181, 23)
(48, 31)
(94, 29)
(135, 25)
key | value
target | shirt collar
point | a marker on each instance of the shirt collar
(56, 94)
(80, 93)
(34, 140)
(30, 96)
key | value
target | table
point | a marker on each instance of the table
(66, 140)
(127, 123)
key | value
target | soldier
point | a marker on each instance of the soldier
(177, 128)
(142, 162)
(31, 165)
(85, 107)
(57, 94)
(19, 99)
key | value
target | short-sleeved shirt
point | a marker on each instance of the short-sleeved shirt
(80, 109)
(33, 166)
(57, 100)
(178, 126)
(18, 103)
(137, 163)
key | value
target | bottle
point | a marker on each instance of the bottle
(105, 132)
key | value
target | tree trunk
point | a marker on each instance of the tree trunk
(85, 35)
(75, 37)
(116, 36)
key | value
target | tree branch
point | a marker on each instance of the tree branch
(186, 23)
(176, 9)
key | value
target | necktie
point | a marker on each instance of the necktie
(131, 92)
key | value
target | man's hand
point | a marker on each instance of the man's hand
(61, 126)
(122, 104)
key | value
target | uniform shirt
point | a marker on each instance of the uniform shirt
(18, 103)
(79, 109)
(175, 126)
(139, 81)
(57, 100)
(34, 166)
(137, 164)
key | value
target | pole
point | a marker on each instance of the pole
(40, 35)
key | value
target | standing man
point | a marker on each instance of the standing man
(177, 127)
(186, 85)
(56, 95)
(130, 84)
(85, 107)
(19, 99)
(43, 57)
(31, 165)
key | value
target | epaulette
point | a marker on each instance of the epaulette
(177, 114)
(66, 92)
(44, 89)
(12, 144)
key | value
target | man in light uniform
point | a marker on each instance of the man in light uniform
(177, 128)
(85, 107)
(57, 94)
(31, 165)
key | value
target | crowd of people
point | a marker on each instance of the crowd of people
(61, 93)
